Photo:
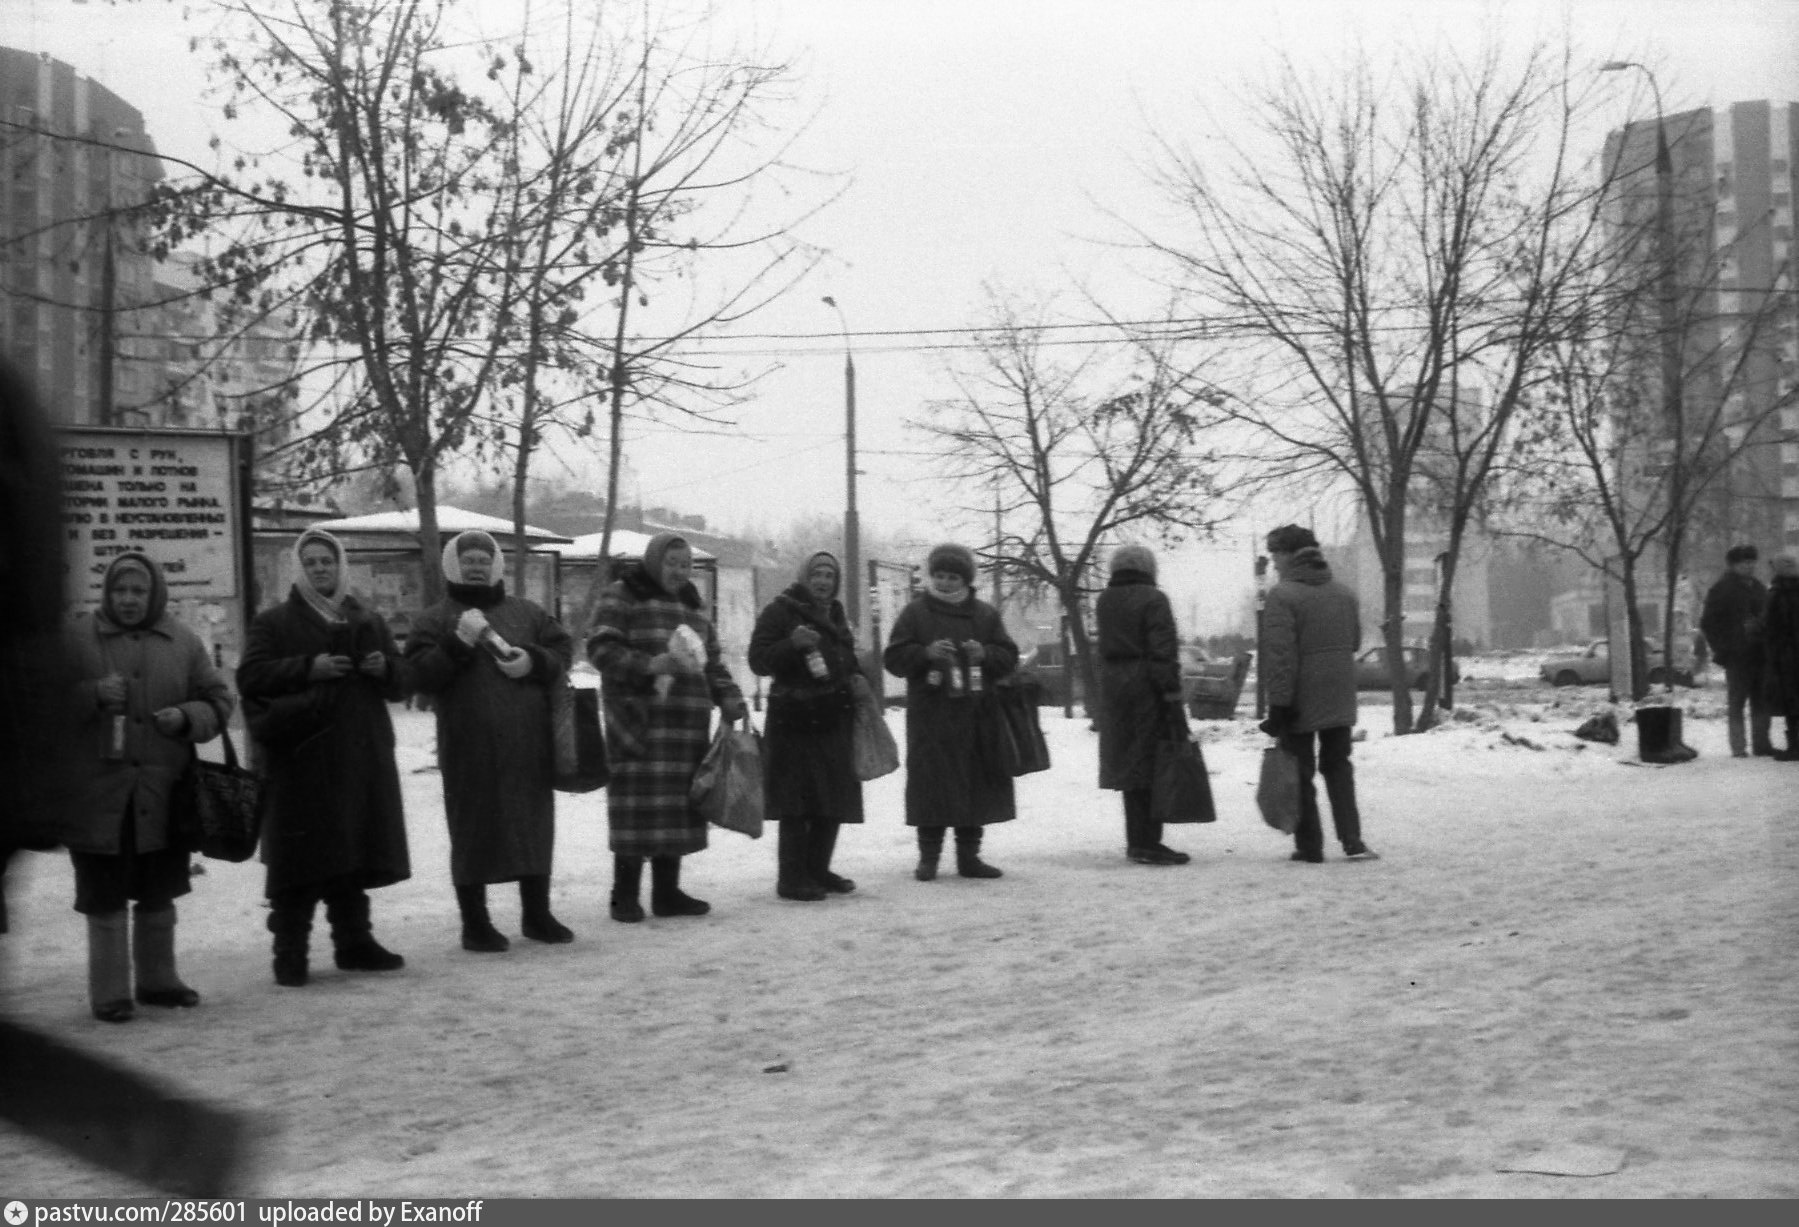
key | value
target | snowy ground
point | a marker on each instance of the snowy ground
(1561, 954)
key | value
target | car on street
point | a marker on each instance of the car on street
(1371, 672)
(1593, 666)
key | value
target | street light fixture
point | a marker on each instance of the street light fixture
(852, 534)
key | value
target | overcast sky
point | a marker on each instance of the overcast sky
(981, 141)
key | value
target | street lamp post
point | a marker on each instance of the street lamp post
(1673, 400)
(852, 530)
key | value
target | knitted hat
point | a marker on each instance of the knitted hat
(951, 557)
(1134, 558)
(145, 566)
(1291, 538)
(813, 559)
(1741, 553)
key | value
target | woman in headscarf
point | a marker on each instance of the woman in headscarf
(1140, 694)
(804, 643)
(148, 693)
(316, 677)
(489, 661)
(657, 735)
(949, 645)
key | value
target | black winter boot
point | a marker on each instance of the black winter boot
(821, 844)
(930, 850)
(352, 936)
(795, 879)
(968, 855)
(536, 922)
(290, 920)
(627, 888)
(666, 898)
(478, 933)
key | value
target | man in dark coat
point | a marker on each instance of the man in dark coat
(946, 643)
(803, 642)
(495, 744)
(1732, 624)
(1140, 694)
(1780, 651)
(317, 674)
(1311, 628)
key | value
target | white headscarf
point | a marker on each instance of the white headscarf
(452, 555)
(329, 607)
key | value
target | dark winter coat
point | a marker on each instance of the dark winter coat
(164, 665)
(1780, 647)
(654, 744)
(332, 814)
(951, 778)
(808, 746)
(1311, 627)
(1139, 677)
(1731, 621)
(495, 746)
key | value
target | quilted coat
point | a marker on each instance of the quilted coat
(1311, 628)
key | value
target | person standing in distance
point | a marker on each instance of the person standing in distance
(1311, 629)
(1732, 624)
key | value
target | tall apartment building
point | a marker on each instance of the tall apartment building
(1732, 233)
(72, 269)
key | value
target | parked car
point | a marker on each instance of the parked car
(1593, 666)
(1371, 672)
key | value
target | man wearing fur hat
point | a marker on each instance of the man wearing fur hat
(949, 645)
(1310, 631)
(1732, 624)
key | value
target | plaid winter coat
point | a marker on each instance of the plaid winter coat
(654, 744)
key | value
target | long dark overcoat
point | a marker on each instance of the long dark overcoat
(1731, 620)
(495, 747)
(654, 744)
(808, 747)
(1139, 668)
(332, 813)
(1780, 648)
(166, 665)
(1311, 627)
(950, 780)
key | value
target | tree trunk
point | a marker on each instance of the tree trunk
(1081, 645)
(1436, 678)
(424, 480)
(1393, 635)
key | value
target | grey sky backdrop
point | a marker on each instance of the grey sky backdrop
(980, 142)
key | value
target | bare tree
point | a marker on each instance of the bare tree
(1073, 470)
(1388, 250)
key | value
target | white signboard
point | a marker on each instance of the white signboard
(170, 494)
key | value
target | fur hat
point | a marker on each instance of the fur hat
(1741, 553)
(473, 539)
(1290, 539)
(1134, 558)
(951, 557)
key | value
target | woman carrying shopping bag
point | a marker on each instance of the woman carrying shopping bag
(148, 693)
(659, 712)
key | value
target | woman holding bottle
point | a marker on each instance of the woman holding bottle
(949, 646)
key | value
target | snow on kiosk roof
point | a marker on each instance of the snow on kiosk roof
(449, 520)
(625, 544)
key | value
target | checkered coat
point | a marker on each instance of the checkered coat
(654, 745)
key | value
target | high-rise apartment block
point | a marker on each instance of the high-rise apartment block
(1730, 242)
(74, 160)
